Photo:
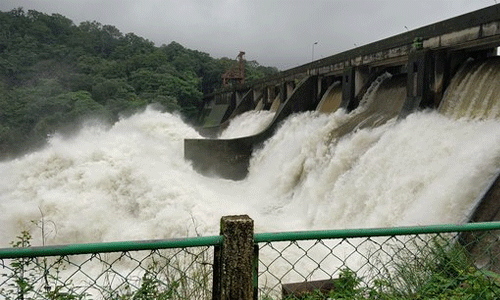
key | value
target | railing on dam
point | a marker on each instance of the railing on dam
(438, 262)
(474, 30)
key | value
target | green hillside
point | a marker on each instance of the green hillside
(54, 74)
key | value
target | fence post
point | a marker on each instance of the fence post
(234, 260)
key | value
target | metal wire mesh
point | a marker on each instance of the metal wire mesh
(433, 262)
(184, 273)
(415, 266)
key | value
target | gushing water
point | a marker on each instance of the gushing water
(474, 91)
(248, 123)
(130, 181)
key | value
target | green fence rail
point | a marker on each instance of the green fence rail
(425, 262)
(156, 269)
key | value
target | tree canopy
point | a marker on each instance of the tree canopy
(54, 73)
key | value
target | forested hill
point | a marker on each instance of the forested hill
(54, 74)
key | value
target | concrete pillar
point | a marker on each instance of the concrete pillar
(441, 76)
(361, 77)
(271, 94)
(257, 95)
(290, 87)
(418, 92)
(319, 87)
(234, 261)
(348, 85)
(283, 93)
(239, 97)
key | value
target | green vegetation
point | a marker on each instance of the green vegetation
(437, 272)
(420, 271)
(31, 279)
(162, 274)
(410, 267)
(54, 74)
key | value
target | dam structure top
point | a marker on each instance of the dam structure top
(424, 60)
(473, 31)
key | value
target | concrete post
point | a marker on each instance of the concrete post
(238, 95)
(283, 94)
(348, 85)
(441, 76)
(231, 101)
(319, 87)
(271, 94)
(418, 86)
(257, 95)
(234, 260)
(361, 77)
(290, 86)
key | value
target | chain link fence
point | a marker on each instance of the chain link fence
(169, 269)
(430, 262)
(433, 262)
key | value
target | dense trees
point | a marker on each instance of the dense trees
(54, 73)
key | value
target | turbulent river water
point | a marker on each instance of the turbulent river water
(130, 181)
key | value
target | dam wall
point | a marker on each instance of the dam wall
(445, 44)
(427, 57)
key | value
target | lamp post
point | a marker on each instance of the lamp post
(312, 56)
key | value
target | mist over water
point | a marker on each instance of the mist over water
(130, 181)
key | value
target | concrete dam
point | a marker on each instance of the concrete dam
(450, 67)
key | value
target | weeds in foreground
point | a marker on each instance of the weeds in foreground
(29, 278)
(161, 274)
(441, 270)
(438, 272)
(433, 270)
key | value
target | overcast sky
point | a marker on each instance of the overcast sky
(278, 33)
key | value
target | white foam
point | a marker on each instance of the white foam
(131, 182)
(248, 123)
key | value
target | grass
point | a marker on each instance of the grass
(441, 270)
(160, 274)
